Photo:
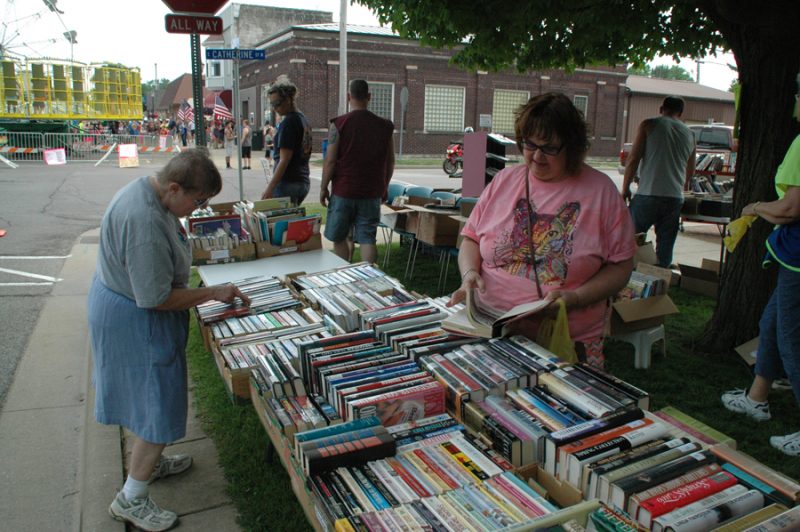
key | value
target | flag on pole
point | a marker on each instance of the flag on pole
(186, 112)
(220, 111)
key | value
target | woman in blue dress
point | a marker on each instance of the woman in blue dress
(138, 323)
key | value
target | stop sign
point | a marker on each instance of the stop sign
(206, 7)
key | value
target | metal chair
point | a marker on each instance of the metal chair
(395, 189)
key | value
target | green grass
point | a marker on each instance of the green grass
(686, 378)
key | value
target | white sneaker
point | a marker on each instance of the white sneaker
(789, 444)
(781, 384)
(171, 465)
(142, 513)
(737, 401)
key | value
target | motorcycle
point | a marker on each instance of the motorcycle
(454, 160)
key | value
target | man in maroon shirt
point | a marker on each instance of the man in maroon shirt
(359, 163)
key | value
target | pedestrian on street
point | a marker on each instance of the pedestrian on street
(663, 156)
(230, 140)
(247, 144)
(139, 323)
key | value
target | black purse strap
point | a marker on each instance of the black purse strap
(530, 236)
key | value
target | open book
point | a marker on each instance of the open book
(479, 320)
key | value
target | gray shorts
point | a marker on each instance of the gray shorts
(362, 215)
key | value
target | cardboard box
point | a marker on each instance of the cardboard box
(466, 207)
(636, 314)
(462, 220)
(237, 382)
(242, 253)
(397, 218)
(671, 277)
(436, 228)
(645, 253)
(223, 208)
(748, 351)
(562, 493)
(420, 201)
(266, 249)
(703, 280)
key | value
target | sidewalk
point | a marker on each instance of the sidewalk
(59, 469)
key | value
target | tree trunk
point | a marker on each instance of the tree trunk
(764, 40)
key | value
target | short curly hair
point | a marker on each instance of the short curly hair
(193, 170)
(552, 116)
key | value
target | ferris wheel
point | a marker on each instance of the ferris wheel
(33, 28)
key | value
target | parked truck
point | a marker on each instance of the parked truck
(716, 148)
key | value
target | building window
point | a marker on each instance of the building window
(444, 108)
(214, 69)
(582, 104)
(504, 106)
(382, 101)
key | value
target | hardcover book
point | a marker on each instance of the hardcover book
(481, 321)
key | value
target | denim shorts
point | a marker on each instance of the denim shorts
(297, 191)
(362, 215)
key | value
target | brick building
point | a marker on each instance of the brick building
(443, 99)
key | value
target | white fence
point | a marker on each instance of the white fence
(29, 147)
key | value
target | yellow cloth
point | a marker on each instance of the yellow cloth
(554, 335)
(736, 230)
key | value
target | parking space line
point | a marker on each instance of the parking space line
(31, 275)
(31, 257)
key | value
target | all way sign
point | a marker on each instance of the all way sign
(193, 24)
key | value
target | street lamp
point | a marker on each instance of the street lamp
(71, 36)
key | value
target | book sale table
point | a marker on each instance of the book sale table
(382, 415)
(306, 261)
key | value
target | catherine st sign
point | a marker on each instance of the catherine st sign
(235, 53)
(193, 24)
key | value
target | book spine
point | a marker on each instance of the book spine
(651, 508)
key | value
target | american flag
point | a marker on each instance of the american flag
(220, 111)
(186, 112)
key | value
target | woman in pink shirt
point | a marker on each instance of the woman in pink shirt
(551, 228)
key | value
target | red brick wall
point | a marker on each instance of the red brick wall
(306, 56)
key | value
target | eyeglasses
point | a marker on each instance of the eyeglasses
(276, 103)
(546, 149)
(200, 202)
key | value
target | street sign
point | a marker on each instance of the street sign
(234, 53)
(193, 24)
(201, 7)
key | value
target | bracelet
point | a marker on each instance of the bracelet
(467, 272)
(756, 204)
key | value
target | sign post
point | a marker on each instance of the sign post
(236, 54)
(403, 107)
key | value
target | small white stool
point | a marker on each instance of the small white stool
(643, 341)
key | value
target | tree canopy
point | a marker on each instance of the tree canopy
(542, 34)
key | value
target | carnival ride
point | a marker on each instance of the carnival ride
(34, 87)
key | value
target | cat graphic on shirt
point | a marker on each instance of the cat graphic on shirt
(552, 240)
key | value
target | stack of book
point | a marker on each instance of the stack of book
(210, 230)
(405, 318)
(345, 293)
(472, 370)
(265, 293)
(277, 223)
(361, 376)
(642, 285)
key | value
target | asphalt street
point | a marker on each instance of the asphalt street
(44, 209)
